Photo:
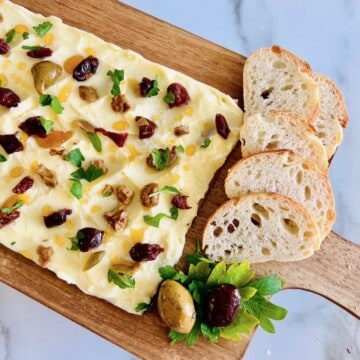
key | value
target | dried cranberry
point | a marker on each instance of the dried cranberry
(118, 138)
(89, 238)
(145, 86)
(24, 185)
(146, 127)
(56, 218)
(40, 53)
(145, 252)
(86, 68)
(180, 201)
(8, 218)
(181, 96)
(10, 143)
(222, 126)
(4, 47)
(33, 126)
(8, 98)
(224, 303)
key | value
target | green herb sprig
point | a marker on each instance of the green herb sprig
(52, 101)
(255, 309)
(43, 28)
(116, 76)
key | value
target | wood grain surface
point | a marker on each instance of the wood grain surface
(332, 272)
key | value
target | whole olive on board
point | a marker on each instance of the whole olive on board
(224, 303)
(45, 74)
(176, 306)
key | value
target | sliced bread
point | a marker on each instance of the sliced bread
(288, 174)
(274, 78)
(277, 130)
(260, 227)
(333, 116)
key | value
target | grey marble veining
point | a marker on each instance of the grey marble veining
(325, 33)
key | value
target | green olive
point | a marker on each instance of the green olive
(176, 306)
(45, 74)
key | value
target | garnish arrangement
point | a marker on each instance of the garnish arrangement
(216, 300)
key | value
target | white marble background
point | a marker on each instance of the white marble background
(323, 32)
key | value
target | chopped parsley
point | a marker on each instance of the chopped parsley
(35, 47)
(121, 280)
(76, 157)
(90, 174)
(52, 101)
(166, 189)
(160, 158)
(76, 189)
(2, 158)
(95, 141)
(155, 220)
(46, 124)
(116, 76)
(142, 306)
(9, 36)
(43, 28)
(206, 143)
(74, 244)
(169, 98)
(154, 90)
(9, 210)
(25, 35)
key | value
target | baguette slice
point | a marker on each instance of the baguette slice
(333, 116)
(260, 227)
(279, 130)
(288, 174)
(274, 78)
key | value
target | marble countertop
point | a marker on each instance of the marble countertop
(322, 32)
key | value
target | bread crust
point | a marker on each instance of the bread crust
(232, 245)
(290, 175)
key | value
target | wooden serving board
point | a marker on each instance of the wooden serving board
(332, 272)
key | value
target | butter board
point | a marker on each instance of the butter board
(191, 55)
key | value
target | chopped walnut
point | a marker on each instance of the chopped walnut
(86, 126)
(46, 175)
(107, 190)
(124, 194)
(116, 218)
(145, 195)
(45, 253)
(88, 93)
(60, 152)
(181, 130)
(100, 165)
(119, 103)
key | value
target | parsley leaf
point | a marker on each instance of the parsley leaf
(268, 285)
(43, 28)
(123, 281)
(180, 149)
(160, 158)
(169, 98)
(264, 310)
(116, 76)
(46, 124)
(167, 272)
(142, 306)
(2, 158)
(95, 141)
(166, 189)
(74, 244)
(52, 101)
(90, 174)
(210, 332)
(75, 156)
(76, 188)
(25, 35)
(154, 90)
(206, 143)
(9, 210)
(27, 47)
(9, 36)
(155, 220)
